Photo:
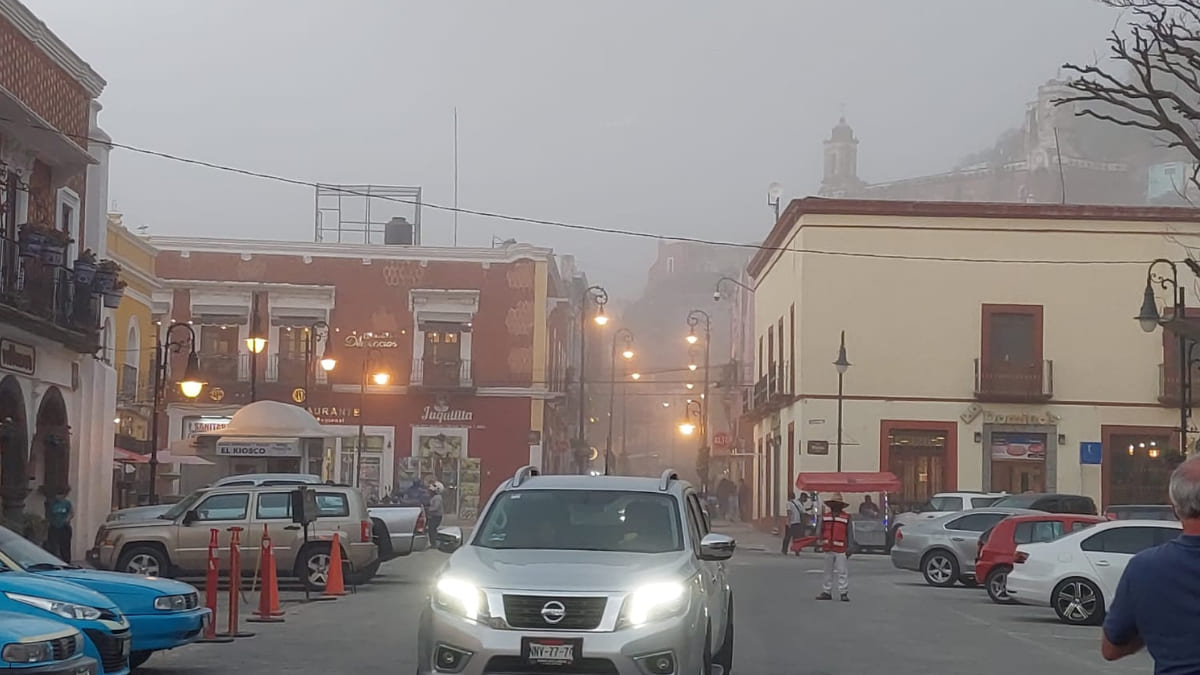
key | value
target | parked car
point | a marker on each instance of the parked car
(105, 629)
(177, 541)
(142, 513)
(163, 614)
(1078, 573)
(998, 546)
(574, 574)
(399, 530)
(36, 646)
(1050, 503)
(939, 505)
(1140, 512)
(943, 550)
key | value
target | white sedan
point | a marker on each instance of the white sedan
(1077, 574)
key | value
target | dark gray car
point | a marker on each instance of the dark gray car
(943, 549)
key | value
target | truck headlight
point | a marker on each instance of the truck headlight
(175, 603)
(458, 596)
(67, 610)
(656, 601)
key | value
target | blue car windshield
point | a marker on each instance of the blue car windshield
(26, 554)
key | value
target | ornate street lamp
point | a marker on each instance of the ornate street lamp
(190, 385)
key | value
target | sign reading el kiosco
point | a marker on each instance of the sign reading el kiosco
(258, 447)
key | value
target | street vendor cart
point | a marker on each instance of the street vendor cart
(866, 533)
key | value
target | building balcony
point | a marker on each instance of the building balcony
(772, 391)
(289, 369)
(1014, 382)
(442, 375)
(46, 301)
(1169, 384)
(224, 369)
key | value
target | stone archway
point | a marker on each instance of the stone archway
(51, 455)
(14, 447)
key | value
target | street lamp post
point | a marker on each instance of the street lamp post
(693, 319)
(1149, 318)
(599, 296)
(626, 335)
(255, 343)
(693, 409)
(328, 361)
(842, 365)
(379, 377)
(190, 385)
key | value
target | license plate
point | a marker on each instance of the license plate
(551, 651)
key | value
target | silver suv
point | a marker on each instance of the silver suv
(583, 574)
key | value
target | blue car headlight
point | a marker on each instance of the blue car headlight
(39, 652)
(175, 603)
(67, 610)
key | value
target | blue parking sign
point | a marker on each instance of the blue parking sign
(1090, 453)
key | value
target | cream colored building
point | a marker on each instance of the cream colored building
(973, 367)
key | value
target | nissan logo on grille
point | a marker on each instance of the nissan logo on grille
(553, 612)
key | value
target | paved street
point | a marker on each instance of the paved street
(895, 624)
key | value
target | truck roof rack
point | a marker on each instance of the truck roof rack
(667, 476)
(523, 474)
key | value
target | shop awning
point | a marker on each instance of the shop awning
(124, 456)
(191, 460)
(850, 482)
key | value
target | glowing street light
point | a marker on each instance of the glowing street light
(636, 376)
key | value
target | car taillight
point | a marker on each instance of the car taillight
(899, 534)
(1020, 557)
(1110, 515)
(421, 523)
(366, 530)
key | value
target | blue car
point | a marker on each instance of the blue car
(162, 613)
(42, 647)
(105, 629)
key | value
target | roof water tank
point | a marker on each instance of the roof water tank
(398, 231)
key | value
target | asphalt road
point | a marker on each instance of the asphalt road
(894, 624)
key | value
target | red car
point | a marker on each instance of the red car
(997, 546)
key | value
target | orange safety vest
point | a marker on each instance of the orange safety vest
(835, 532)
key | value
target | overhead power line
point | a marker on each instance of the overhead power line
(562, 224)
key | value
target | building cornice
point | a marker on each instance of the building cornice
(506, 254)
(37, 32)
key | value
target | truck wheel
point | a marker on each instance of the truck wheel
(312, 566)
(136, 659)
(145, 560)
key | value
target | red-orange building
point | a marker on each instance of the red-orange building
(474, 343)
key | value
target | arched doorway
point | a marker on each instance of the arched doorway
(14, 447)
(52, 444)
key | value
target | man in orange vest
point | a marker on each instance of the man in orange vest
(834, 540)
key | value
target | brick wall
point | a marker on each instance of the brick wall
(30, 75)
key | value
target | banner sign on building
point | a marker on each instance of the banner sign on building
(258, 447)
(18, 357)
(1030, 447)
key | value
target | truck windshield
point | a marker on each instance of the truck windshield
(579, 520)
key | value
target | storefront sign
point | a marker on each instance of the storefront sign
(441, 413)
(17, 357)
(721, 440)
(258, 447)
(1028, 447)
(1033, 418)
(371, 342)
(818, 447)
(334, 415)
(203, 425)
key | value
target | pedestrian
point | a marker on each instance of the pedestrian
(745, 501)
(795, 522)
(433, 512)
(59, 515)
(868, 509)
(834, 541)
(1156, 600)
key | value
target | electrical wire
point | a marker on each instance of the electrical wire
(562, 224)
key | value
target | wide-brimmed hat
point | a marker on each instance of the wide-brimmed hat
(836, 498)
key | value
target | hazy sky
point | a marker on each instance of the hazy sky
(667, 117)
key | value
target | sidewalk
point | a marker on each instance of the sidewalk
(748, 537)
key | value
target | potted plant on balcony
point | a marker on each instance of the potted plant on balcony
(31, 240)
(106, 276)
(85, 268)
(112, 297)
(54, 248)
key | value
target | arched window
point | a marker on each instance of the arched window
(129, 367)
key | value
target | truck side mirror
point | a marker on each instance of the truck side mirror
(190, 517)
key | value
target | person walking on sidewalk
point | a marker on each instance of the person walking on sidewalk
(59, 514)
(795, 522)
(433, 512)
(834, 541)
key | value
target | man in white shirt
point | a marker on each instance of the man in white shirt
(796, 513)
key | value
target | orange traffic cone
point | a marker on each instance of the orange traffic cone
(334, 584)
(268, 596)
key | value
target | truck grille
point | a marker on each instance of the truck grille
(512, 665)
(111, 647)
(581, 613)
(64, 648)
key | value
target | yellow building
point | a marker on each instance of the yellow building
(129, 344)
(991, 347)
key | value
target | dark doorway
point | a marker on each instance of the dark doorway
(52, 443)
(14, 447)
